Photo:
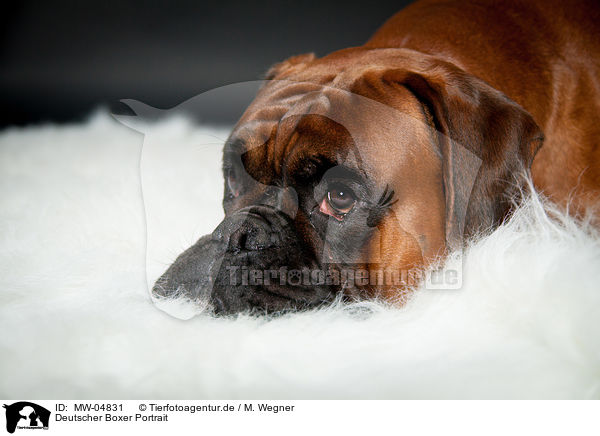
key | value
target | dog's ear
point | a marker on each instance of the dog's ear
(289, 65)
(486, 140)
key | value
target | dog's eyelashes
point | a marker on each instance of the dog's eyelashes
(385, 202)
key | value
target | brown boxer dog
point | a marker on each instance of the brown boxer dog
(385, 156)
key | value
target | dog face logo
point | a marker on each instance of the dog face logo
(26, 415)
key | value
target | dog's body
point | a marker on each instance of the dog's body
(386, 155)
(544, 55)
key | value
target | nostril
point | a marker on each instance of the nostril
(251, 229)
(252, 239)
(243, 240)
(237, 240)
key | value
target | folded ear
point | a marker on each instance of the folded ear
(289, 65)
(487, 143)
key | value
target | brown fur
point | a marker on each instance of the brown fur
(499, 80)
(544, 55)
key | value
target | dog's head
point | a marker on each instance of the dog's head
(364, 160)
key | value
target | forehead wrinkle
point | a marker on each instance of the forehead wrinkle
(270, 113)
(291, 91)
(286, 137)
(346, 153)
(250, 130)
(323, 105)
(285, 142)
(270, 110)
(275, 125)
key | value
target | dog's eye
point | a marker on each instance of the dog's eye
(338, 201)
(341, 198)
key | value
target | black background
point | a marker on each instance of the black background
(59, 60)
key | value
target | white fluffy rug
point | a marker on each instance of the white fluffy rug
(76, 319)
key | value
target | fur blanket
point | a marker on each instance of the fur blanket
(80, 243)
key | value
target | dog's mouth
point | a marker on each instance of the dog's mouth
(252, 262)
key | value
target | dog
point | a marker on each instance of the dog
(387, 156)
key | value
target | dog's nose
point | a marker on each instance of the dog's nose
(243, 265)
(252, 235)
(251, 229)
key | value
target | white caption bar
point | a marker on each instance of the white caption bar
(245, 417)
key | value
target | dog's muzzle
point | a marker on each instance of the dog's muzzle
(247, 264)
